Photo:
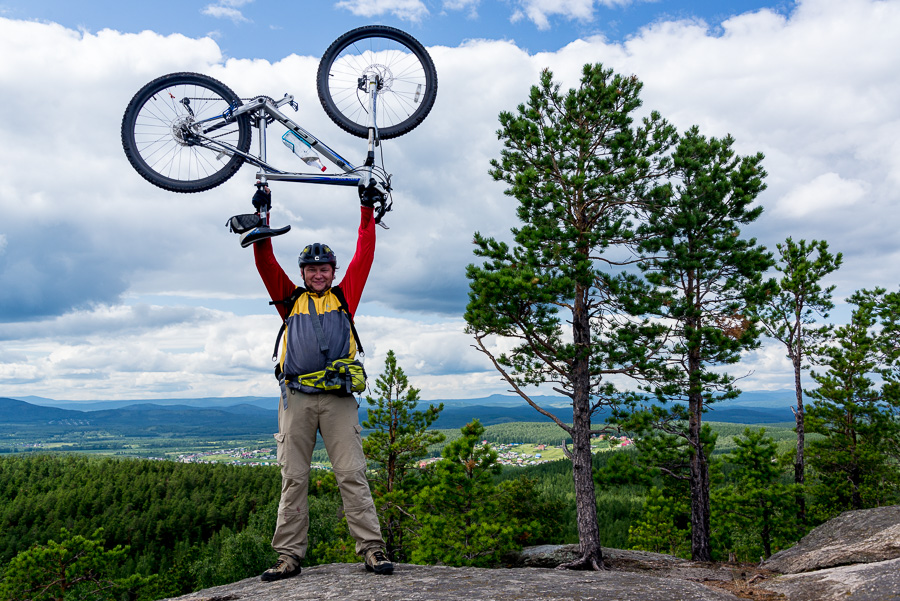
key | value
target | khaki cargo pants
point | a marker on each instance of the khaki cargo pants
(300, 416)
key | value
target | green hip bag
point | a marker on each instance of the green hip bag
(341, 374)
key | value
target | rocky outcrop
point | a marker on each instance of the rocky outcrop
(551, 556)
(350, 582)
(855, 557)
(878, 581)
(865, 536)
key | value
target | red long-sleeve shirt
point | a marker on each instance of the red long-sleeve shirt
(280, 286)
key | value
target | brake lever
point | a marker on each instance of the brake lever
(382, 207)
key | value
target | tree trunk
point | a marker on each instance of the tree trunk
(800, 458)
(766, 533)
(701, 547)
(585, 499)
(582, 464)
(855, 472)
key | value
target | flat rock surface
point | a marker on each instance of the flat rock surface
(864, 536)
(861, 582)
(350, 582)
(855, 557)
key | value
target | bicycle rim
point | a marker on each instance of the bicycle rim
(399, 60)
(158, 126)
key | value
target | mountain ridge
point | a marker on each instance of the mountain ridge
(258, 416)
(754, 398)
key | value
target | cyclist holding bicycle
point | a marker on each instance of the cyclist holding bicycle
(319, 332)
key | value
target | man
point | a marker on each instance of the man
(318, 331)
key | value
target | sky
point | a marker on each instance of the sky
(111, 288)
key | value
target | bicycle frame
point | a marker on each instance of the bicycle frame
(261, 107)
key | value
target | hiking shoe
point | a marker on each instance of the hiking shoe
(285, 567)
(261, 233)
(378, 562)
(242, 223)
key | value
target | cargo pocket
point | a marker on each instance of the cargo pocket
(279, 446)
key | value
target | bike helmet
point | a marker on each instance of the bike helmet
(317, 253)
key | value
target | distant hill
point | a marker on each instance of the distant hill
(262, 402)
(138, 420)
(768, 399)
(258, 416)
(13, 411)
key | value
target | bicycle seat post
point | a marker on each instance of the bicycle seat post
(261, 179)
(373, 84)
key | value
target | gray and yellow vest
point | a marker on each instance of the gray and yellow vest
(320, 344)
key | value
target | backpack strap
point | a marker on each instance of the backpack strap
(346, 309)
(289, 304)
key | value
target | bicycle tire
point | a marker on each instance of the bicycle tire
(410, 78)
(159, 114)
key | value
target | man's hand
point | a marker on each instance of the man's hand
(370, 195)
(262, 200)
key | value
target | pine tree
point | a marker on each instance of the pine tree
(459, 512)
(74, 567)
(710, 280)
(399, 438)
(856, 407)
(657, 529)
(789, 316)
(755, 507)
(578, 165)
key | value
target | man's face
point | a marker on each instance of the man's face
(318, 278)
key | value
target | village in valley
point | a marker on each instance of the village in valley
(511, 454)
(241, 456)
(522, 454)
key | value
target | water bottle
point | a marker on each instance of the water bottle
(299, 147)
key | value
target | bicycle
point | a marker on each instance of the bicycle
(188, 132)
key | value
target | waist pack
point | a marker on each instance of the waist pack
(346, 375)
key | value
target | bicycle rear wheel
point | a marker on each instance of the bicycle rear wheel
(404, 66)
(159, 132)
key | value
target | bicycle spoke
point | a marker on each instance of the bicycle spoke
(155, 132)
(404, 80)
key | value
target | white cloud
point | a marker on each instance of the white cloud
(227, 9)
(825, 196)
(463, 5)
(813, 90)
(407, 10)
(164, 351)
(541, 11)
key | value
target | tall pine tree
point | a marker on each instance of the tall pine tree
(790, 315)
(577, 164)
(709, 278)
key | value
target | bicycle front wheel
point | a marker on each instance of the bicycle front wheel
(406, 72)
(162, 126)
